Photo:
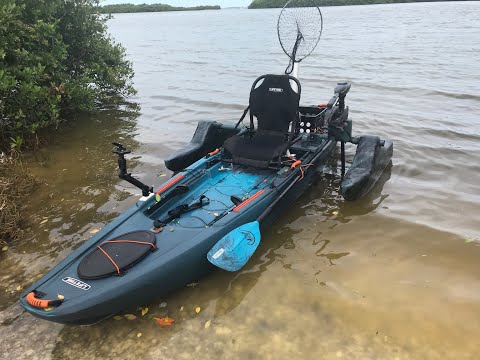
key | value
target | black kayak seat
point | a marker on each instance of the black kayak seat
(114, 256)
(275, 106)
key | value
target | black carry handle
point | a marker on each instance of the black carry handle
(179, 210)
(178, 190)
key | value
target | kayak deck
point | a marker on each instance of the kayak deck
(225, 196)
(181, 247)
(223, 183)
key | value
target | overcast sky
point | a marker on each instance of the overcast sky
(222, 3)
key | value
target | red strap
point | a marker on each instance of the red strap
(129, 241)
(246, 202)
(170, 183)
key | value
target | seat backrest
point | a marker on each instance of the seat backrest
(274, 103)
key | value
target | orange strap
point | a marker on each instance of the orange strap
(303, 174)
(295, 164)
(109, 258)
(32, 300)
(130, 241)
(246, 202)
(302, 171)
(121, 241)
(323, 105)
(214, 152)
(170, 183)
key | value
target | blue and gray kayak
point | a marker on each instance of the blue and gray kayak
(162, 242)
(208, 215)
(228, 184)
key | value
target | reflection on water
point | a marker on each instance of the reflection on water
(331, 279)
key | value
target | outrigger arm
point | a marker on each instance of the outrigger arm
(121, 151)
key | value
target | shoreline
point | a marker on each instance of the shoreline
(148, 8)
(336, 3)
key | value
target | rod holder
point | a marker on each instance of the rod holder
(121, 151)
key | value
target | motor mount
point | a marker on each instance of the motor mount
(121, 151)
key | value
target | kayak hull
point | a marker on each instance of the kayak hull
(183, 244)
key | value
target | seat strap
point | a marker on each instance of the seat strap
(243, 116)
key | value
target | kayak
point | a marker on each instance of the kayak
(161, 243)
(229, 183)
(227, 197)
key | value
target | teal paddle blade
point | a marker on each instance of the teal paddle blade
(233, 251)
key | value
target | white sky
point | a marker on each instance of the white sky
(222, 3)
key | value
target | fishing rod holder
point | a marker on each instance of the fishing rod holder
(121, 151)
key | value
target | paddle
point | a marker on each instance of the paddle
(233, 251)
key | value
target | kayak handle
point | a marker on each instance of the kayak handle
(39, 303)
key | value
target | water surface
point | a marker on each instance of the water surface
(394, 275)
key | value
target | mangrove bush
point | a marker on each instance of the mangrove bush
(56, 57)
(132, 8)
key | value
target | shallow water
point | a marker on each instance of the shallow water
(389, 276)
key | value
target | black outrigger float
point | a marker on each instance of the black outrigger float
(229, 182)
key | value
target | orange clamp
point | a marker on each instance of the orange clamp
(34, 301)
(214, 152)
(295, 164)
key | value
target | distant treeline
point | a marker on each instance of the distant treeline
(262, 4)
(131, 8)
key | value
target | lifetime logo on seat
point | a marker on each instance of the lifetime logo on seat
(277, 90)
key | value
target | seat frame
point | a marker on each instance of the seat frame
(266, 132)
